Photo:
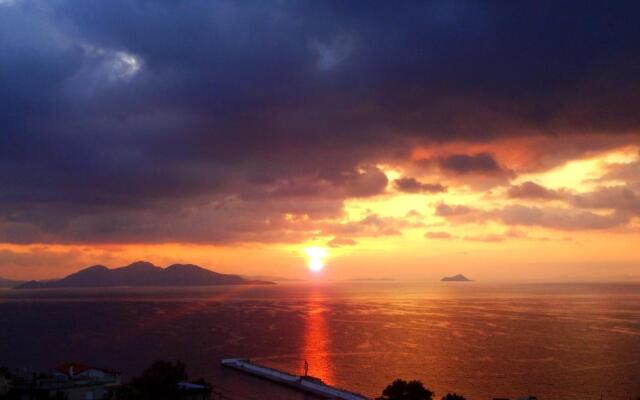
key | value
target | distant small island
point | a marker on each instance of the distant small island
(142, 273)
(456, 278)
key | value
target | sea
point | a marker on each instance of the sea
(554, 341)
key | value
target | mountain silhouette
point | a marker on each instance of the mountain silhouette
(455, 278)
(7, 283)
(143, 273)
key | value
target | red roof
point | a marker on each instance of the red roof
(80, 367)
(77, 368)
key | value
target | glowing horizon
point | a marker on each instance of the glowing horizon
(453, 241)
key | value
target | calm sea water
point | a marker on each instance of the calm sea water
(554, 341)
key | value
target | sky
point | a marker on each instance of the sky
(406, 140)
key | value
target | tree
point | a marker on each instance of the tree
(4, 371)
(403, 390)
(453, 396)
(158, 382)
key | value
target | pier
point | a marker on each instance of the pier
(307, 384)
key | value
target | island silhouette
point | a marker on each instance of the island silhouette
(456, 278)
(142, 273)
(8, 283)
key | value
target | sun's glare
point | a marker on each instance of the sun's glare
(316, 256)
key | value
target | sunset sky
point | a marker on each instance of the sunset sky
(388, 139)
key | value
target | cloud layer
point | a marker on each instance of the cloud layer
(220, 122)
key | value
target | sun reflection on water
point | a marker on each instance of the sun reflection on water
(317, 342)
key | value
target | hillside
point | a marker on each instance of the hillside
(7, 283)
(143, 274)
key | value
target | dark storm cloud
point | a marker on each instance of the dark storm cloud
(481, 163)
(119, 118)
(446, 210)
(412, 185)
(619, 198)
(559, 218)
(531, 190)
(623, 199)
(629, 173)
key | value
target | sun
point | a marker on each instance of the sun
(316, 256)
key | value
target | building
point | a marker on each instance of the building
(76, 381)
(71, 381)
